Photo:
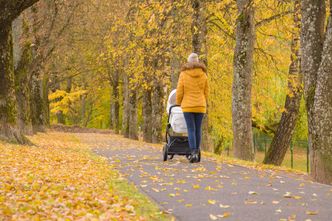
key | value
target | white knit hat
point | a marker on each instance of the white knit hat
(193, 57)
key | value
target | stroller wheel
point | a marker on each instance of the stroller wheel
(165, 153)
(171, 156)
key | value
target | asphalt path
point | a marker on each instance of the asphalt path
(213, 190)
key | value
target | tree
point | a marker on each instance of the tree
(243, 64)
(285, 130)
(8, 12)
(316, 65)
(199, 44)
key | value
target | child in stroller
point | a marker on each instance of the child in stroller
(176, 131)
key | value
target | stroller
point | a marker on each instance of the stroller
(176, 131)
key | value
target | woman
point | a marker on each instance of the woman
(191, 94)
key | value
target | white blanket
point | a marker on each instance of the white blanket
(176, 118)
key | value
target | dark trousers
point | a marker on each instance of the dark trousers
(194, 126)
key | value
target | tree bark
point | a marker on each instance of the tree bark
(312, 39)
(243, 64)
(8, 12)
(115, 101)
(285, 130)
(321, 165)
(157, 112)
(133, 133)
(199, 34)
(12, 9)
(147, 116)
(22, 62)
(125, 112)
(8, 130)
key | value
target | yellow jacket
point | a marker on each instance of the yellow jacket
(192, 89)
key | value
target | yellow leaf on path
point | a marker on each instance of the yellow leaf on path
(188, 205)
(252, 193)
(156, 190)
(224, 206)
(311, 212)
(212, 202)
(196, 186)
(225, 215)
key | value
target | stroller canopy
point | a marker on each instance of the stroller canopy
(171, 100)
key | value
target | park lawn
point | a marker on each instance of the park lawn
(61, 179)
(299, 159)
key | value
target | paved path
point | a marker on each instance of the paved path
(211, 190)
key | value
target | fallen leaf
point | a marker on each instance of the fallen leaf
(225, 215)
(213, 217)
(309, 212)
(250, 202)
(212, 202)
(223, 206)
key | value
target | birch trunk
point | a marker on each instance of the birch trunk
(285, 130)
(243, 64)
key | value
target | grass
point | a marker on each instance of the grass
(61, 179)
(299, 159)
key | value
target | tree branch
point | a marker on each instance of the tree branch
(11, 9)
(272, 18)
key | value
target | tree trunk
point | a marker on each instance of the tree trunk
(312, 41)
(125, 112)
(9, 11)
(133, 133)
(157, 112)
(283, 136)
(45, 102)
(199, 34)
(174, 59)
(321, 165)
(115, 102)
(147, 116)
(22, 62)
(8, 130)
(243, 62)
